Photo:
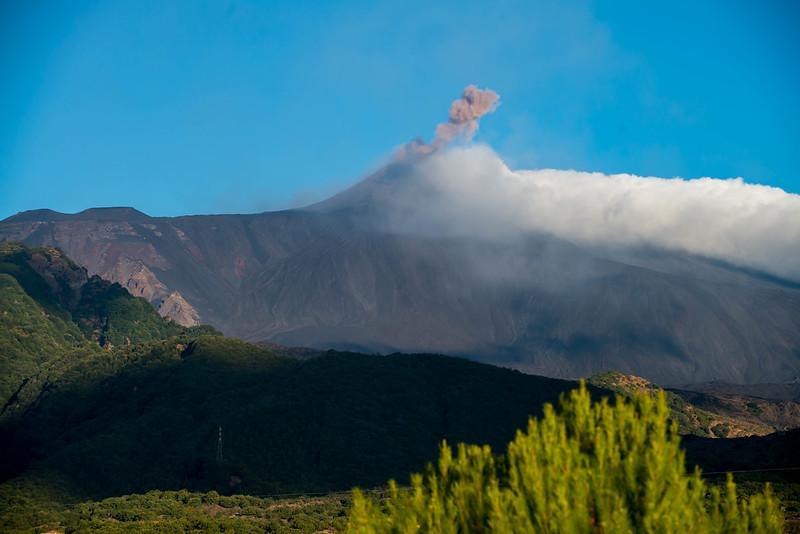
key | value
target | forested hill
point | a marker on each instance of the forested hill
(149, 417)
(52, 310)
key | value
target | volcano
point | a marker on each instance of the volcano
(341, 275)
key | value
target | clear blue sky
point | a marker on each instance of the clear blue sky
(183, 107)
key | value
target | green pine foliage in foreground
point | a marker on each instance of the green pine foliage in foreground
(590, 468)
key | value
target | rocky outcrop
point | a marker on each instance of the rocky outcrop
(175, 308)
(137, 278)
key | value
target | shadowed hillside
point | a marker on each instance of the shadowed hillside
(321, 424)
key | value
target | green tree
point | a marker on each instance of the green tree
(593, 467)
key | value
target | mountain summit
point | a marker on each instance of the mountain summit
(363, 271)
(446, 249)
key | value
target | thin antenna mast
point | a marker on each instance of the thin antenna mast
(219, 445)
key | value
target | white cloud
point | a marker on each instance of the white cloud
(469, 190)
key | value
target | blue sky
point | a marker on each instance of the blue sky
(239, 106)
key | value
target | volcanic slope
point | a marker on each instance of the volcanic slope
(337, 275)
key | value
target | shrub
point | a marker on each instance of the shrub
(593, 467)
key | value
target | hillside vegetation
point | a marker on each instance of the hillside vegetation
(51, 309)
(184, 511)
(105, 312)
(29, 337)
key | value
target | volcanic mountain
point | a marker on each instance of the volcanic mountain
(343, 274)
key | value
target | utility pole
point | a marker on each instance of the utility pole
(219, 446)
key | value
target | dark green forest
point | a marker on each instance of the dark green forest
(148, 417)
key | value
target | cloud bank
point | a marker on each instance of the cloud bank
(469, 190)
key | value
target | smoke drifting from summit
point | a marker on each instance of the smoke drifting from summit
(468, 191)
(465, 113)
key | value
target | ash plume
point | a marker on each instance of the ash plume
(469, 191)
(463, 121)
(465, 113)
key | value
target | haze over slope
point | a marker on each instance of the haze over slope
(448, 250)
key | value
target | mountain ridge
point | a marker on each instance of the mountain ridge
(338, 275)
